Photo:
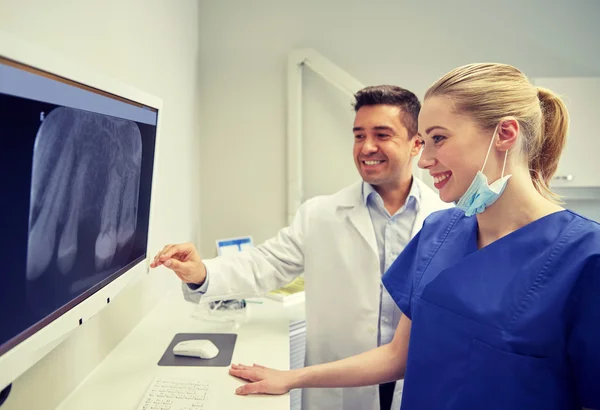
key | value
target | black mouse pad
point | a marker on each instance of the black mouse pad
(225, 342)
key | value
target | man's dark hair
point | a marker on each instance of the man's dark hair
(392, 95)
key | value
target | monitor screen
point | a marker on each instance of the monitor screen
(76, 166)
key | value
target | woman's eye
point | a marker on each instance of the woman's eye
(438, 138)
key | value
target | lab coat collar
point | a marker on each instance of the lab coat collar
(352, 195)
(414, 193)
(351, 198)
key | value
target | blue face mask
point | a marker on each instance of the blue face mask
(480, 194)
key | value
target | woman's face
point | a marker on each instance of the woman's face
(454, 148)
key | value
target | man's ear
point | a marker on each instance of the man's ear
(416, 146)
(508, 131)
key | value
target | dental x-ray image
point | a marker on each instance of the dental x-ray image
(86, 173)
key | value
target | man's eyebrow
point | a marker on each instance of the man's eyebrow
(377, 127)
(383, 128)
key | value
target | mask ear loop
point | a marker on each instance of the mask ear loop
(490, 149)
(504, 165)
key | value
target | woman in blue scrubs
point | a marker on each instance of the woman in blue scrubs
(501, 294)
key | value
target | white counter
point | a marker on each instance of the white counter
(120, 381)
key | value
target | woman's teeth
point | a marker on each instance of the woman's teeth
(439, 178)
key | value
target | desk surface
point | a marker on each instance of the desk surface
(121, 380)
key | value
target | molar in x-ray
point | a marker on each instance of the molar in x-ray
(84, 191)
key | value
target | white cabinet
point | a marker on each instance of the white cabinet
(579, 166)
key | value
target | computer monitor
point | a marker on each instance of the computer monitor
(77, 154)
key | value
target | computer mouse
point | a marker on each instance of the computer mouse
(202, 348)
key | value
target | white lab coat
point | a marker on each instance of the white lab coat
(332, 241)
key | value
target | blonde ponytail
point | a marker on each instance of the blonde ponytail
(552, 139)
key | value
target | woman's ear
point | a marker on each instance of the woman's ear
(508, 131)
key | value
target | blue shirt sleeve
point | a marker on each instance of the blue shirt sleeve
(584, 340)
(399, 278)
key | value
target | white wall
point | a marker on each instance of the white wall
(243, 49)
(151, 45)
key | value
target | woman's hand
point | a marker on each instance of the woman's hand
(262, 379)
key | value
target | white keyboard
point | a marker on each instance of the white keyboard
(177, 393)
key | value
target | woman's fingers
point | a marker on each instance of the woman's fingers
(251, 375)
(252, 388)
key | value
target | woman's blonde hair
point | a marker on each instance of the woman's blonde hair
(488, 93)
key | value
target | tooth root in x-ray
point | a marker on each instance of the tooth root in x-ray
(46, 182)
(86, 173)
(127, 217)
(131, 186)
(67, 247)
(39, 249)
(106, 242)
(106, 245)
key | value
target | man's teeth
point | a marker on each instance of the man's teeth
(373, 162)
(439, 178)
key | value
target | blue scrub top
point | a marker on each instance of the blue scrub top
(514, 325)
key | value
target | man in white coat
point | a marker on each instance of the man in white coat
(343, 243)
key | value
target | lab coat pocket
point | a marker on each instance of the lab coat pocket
(503, 380)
